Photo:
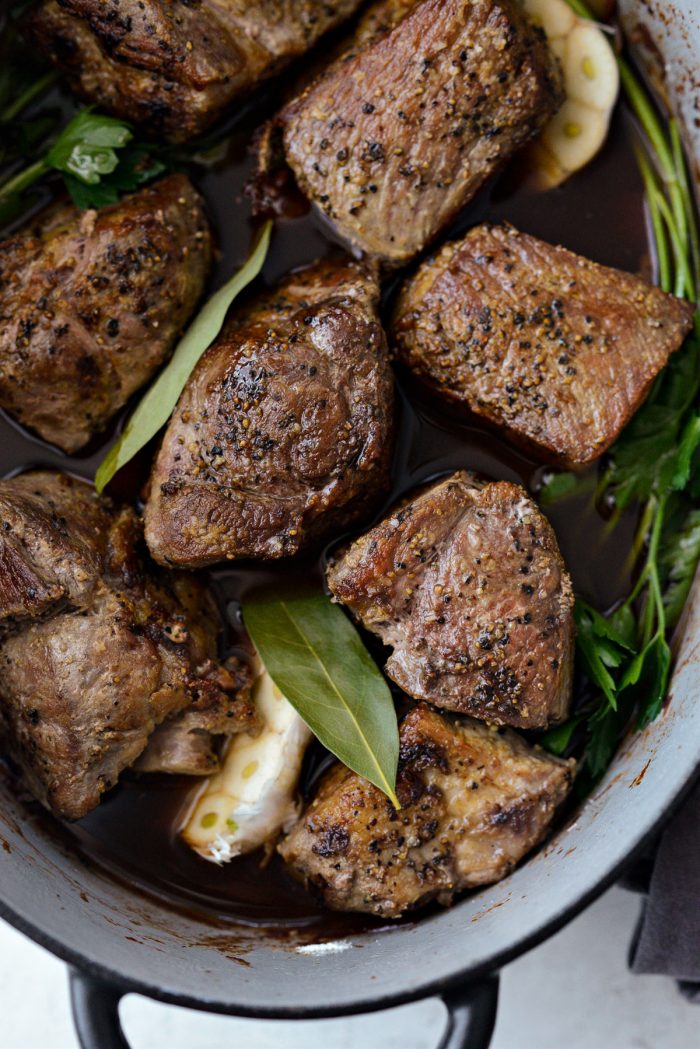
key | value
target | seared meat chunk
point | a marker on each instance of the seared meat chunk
(52, 538)
(473, 800)
(174, 65)
(116, 653)
(92, 303)
(400, 132)
(188, 744)
(554, 349)
(467, 586)
(283, 433)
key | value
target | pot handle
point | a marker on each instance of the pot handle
(471, 1013)
(95, 1007)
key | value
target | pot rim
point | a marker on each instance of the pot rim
(418, 987)
(422, 990)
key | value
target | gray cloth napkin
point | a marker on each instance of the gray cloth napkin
(668, 938)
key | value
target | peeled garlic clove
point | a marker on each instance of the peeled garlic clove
(253, 797)
(591, 84)
(574, 135)
(590, 69)
(556, 18)
(558, 47)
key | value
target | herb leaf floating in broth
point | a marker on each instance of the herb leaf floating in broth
(601, 647)
(317, 659)
(94, 155)
(157, 404)
(87, 146)
(136, 166)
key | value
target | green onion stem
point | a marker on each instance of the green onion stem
(657, 225)
(38, 87)
(688, 199)
(663, 151)
(23, 179)
(640, 537)
(684, 281)
(673, 176)
(647, 117)
(659, 209)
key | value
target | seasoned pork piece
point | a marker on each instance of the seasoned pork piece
(283, 434)
(174, 65)
(431, 99)
(51, 546)
(188, 743)
(467, 586)
(91, 304)
(556, 350)
(473, 800)
(116, 652)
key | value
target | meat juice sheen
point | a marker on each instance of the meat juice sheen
(598, 213)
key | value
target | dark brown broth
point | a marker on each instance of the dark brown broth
(134, 831)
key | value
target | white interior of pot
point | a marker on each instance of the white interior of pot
(83, 915)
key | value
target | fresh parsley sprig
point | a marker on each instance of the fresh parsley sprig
(96, 156)
(655, 463)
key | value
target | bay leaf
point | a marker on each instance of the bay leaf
(317, 659)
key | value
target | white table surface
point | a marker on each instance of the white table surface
(573, 992)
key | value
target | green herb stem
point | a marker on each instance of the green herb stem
(683, 284)
(688, 198)
(638, 544)
(34, 90)
(23, 179)
(655, 621)
(643, 109)
(657, 222)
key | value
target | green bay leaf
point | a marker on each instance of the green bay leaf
(156, 406)
(316, 658)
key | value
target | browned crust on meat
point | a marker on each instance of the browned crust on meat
(403, 129)
(284, 432)
(177, 67)
(467, 585)
(112, 650)
(473, 802)
(556, 350)
(91, 303)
